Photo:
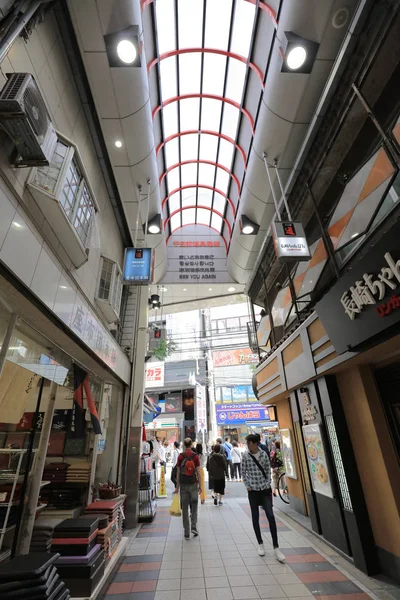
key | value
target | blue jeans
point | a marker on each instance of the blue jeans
(264, 499)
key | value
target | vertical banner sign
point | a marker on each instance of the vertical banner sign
(154, 375)
(138, 266)
(201, 409)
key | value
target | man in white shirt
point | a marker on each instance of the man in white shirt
(256, 473)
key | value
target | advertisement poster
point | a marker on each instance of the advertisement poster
(227, 358)
(138, 266)
(173, 403)
(287, 452)
(238, 414)
(154, 375)
(201, 409)
(239, 392)
(188, 404)
(317, 460)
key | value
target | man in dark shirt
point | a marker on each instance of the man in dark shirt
(188, 482)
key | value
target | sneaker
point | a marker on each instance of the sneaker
(215, 501)
(195, 532)
(220, 503)
(279, 555)
(187, 537)
(261, 551)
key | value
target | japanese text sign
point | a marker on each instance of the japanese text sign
(365, 302)
(154, 375)
(290, 241)
(236, 414)
(138, 266)
(242, 356)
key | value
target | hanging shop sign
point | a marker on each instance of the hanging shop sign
(242, 356)
(154, 375)
(236, 414)
(289, 241)
(366, 301)
(316, 456)
(288, 454)
(138, 266)
(201, 409)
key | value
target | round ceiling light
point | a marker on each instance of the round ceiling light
(231, 289)
(248, 229)
(118, 143)
(210, 289)
(296, 58)
(154, 228)
(184, 289)
(126, 52)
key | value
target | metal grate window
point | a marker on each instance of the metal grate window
(105, 279)
(71, 189)
(83, 216)
(302, 454)
(337, 458)
(47, 176)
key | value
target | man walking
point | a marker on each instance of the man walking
(188, 482)
(256, 473)
(228, 449)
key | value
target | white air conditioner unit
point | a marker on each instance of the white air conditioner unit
(24, 116)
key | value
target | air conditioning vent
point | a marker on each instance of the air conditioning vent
(24, 117)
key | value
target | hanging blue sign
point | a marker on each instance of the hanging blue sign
(138, 266)
(238, 414)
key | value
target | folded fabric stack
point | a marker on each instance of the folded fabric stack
(78, 472)
(32, 576)
(6, 490)
(82, 573)
(106, 507)
(104, 539)
(60, 498)
(43, 533)
(55, 472)
(75, 537)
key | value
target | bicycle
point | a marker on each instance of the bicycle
(283, 489)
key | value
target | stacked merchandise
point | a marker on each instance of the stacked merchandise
(55, 472)
(12, 516)
(81, 564)
(104, 533)
(6, 492)
(61, 499)
(32, 576)
(42, 534)
(79, 473)
(112, 508)
(147, 490)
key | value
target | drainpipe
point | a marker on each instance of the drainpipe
(10, 38)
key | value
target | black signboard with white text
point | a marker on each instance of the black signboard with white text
(366, 301)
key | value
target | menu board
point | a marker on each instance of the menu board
(316, 457)
(288, 454)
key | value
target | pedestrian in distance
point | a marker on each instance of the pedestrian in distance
(210, 479)
(227, 446)
(203, 459)
(236, 461)
(175, 454)
(189, 484)
(256, 472)
(218, 470)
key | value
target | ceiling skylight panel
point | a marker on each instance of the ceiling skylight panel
(165, 12)
(189, 174)
(222, 180)
(173, 179)
(203, 216)
(190, 23)
(208, 147)
(172, 152)
(235, 81)
(204, 197)
(175, 221)
(225, 153)
(243, 28)
(189, 144)
(168, 78)
(189, 73)
(189, 216)
(218, 19)
(219, 203)
(216, 222)
(214, 74)
(190, 110)
(206, 174)
(170, 118)
(189, 196)
(211, 114)
(230, 121)
(174, 202)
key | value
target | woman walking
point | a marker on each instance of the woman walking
(236, 461)
(218, 469)
(199, 451)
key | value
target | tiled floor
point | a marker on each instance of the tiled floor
(223, 564)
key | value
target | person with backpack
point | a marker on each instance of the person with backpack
(217, 467)
(189, 484)
(276, 465)
(256, 473)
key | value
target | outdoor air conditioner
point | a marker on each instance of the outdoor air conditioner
(24, 116)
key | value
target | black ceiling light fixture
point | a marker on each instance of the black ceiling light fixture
(154, 301)
(123, 47)
(154, 225)
(247, 226)
(299, 55)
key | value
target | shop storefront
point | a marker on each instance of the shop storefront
(238, 420)
(336, 385)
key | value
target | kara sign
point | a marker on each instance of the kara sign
(290, 241)
(138, 266)
(239, 414)
(154, 374)
(366, 301)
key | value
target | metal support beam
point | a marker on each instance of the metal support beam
(7, 340)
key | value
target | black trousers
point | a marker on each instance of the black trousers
(237, 471)
(263, 499)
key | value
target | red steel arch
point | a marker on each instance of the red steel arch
(226, 53)
(213, 210)
(203, 162)
(205, 132)
(209, 226)
(198, 185)
(210, 97)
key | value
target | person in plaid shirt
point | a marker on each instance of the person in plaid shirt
(256, 473)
